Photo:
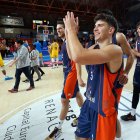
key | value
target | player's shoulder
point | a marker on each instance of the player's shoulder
(92, 47)
(120, 35)
(114, 48)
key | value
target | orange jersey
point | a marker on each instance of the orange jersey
(103, 89)
(70, 75)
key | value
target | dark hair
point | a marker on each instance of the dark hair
(138, 24)
(105, 11)
(19, 41)
(33, 46)
(109, 19)
(61, 22)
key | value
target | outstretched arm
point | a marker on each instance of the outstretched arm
(13, 62)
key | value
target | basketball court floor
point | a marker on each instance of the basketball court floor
(32, 115)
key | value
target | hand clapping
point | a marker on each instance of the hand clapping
(71, 23)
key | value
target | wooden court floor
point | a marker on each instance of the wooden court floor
(51, 82)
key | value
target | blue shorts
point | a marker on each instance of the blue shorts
(95, 126)
(87, 122)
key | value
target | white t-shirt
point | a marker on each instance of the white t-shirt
(34, 53)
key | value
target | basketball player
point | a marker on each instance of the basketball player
(54, 52)
(120, 39)
(72, 72)
(98, 115)
(136, 81)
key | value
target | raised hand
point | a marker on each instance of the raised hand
(70, 22)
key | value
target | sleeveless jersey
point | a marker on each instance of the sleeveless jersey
(138, 49)
(136, 77)
(114, 40)
(68, 65)
(71, 87)
(103, 89)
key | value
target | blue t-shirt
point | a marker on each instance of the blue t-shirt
(38, 46)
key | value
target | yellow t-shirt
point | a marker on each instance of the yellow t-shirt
(1, 61)
(54, 50)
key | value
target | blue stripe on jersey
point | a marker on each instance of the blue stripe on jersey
(114, 40)
(65, 58)
(136, 77)
(95, 87)
(138, 49)
(94, 92)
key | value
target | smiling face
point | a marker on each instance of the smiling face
(102, 30)
(60, 30)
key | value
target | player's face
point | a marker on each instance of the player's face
(138, 30)
(102, 30)
(60, 30)
(17, 45)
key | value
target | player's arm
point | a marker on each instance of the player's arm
(67, 45)
(66, 35)
(78, 66)
(33, 58)
(86, 56)
(121, 39)
(93, 56)
(136, 53)
(79, 75)
(23, 52)
(13, 62)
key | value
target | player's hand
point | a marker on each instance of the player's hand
(123, 79)
(10, 65)
(81, 82)
(70, 22)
